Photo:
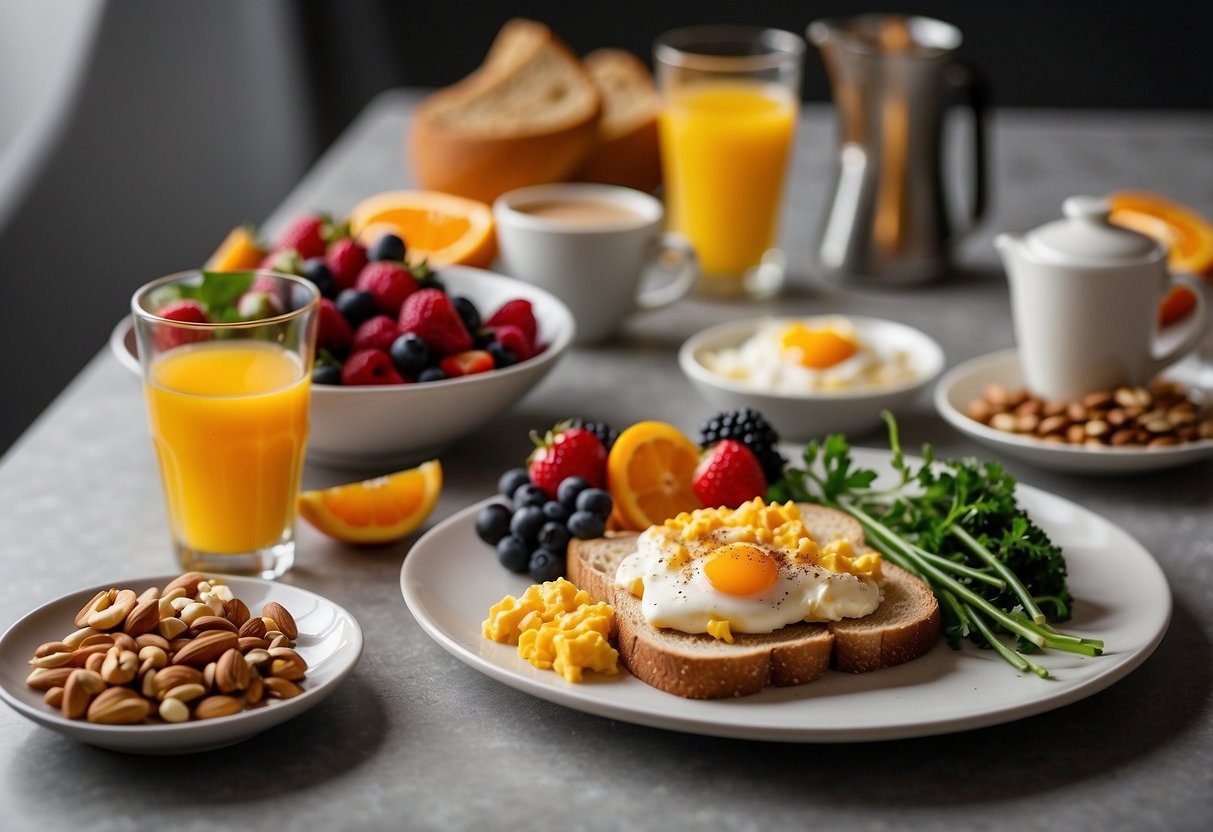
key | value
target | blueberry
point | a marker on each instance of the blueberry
(529, 494)
(468, 311)
(431, 374)
(317, 271)
(326, 374)
(493, 523)
(410, 354)
(586, 526)
(546, 565)
(554, 511)
(554, 536)
(568, 490)
(387, 247)
(502, 356)
(356, 306)
(526, 523)
(596, 502)
(482, 339)
(511, 480)
(513, 553)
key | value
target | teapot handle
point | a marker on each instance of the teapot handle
(1178, 339)
(969, 89)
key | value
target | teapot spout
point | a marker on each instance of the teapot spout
(1008, 243)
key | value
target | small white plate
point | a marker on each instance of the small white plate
(330, 641)
(966, 382)
(450, 579)
(799, 417)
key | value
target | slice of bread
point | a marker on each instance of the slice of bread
(528, 115)
(697, 666)
(628, 152)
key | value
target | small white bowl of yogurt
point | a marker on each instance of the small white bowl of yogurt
(810, 376)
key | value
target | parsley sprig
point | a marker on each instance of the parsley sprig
(956, 525)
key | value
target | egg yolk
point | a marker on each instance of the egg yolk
(740, 569)
(819, 348)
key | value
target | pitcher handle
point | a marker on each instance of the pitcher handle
(969, 88)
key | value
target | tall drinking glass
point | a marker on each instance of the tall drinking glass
(227, 365)
(730, 95)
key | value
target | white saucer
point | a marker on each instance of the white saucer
(967, 381)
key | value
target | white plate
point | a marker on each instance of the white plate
(966, 382)
(450, 578)
(330, 641)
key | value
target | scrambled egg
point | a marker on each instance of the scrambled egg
(556, 628)
(753, 569)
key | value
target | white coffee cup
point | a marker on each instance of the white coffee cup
(591, 245)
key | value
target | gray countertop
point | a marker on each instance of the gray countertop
(415, 739)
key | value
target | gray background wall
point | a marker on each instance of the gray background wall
(135, 133)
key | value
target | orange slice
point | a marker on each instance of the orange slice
(443, 228)
(375, 511)
(649, 473)
(1188, 235)
(237, 252)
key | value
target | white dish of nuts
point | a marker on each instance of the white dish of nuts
(176, 664)
(1126, 431)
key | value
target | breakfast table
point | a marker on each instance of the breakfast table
(415, 739)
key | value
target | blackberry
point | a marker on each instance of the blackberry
(600, 429)
(750, 429)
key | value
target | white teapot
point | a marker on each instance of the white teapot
(1085, 299)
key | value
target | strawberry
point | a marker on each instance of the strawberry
(466, 363)
(429, 314)
(388, 283)
(728, 474)
(517, 312)
(566, 452)
(283, 261)
(345, 259)
(332, 329)
(369, 367)
(306, 235)
(185, 311)
(514, 340)
(375, 333)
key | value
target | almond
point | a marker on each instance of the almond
(43, 679)
(253, 628)
(94, 662)
(174, 710)
(186, 693)
(170, 628)
(151, 593)
(114, 614)
(125, 642)
(206, 648)
(118, 706)
(51, 660)
(206, 623)
(143, 618)
(97, 638)
(79, 691)
(247, 644)
(255, 690)
(285, 663)
(54, 697)
(120, 666)
(80, 656)
(152, 640)
(236, 611)
(282, 619)
(51, 647)
(231, 672)
(216, 706)
(281, 688)
(92, 605)
(175, 675)
(187, 582)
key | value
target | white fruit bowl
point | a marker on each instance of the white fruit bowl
(392, 425)
(799, 417)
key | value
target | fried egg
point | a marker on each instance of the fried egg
(750, 570)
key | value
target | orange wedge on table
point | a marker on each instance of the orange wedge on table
(649, 474)
(443, 228)
(378, 510)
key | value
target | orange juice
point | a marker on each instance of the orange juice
(725, 147)
(229, 423)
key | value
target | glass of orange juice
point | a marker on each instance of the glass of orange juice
(227, 364)
(730, 96)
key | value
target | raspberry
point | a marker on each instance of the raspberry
(369, 367)
(517, 312)
(566, 452)
(306, 236)
(513, 339)
(428, 313)
(388, 283)
(375, 333)
(333, 332)
(184, 311)
(728, 475)
(345, 259)
(466, 363)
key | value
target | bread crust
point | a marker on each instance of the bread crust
(628, 151)
(697, 666)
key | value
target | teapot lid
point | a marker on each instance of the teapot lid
(1085, 235)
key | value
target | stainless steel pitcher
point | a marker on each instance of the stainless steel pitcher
(893, 80)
